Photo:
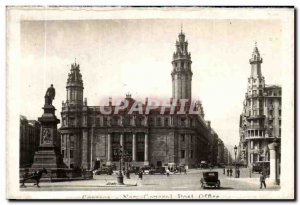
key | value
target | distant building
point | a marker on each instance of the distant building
(220, 157)
(90, 139)
(260, 122)
(29, 140)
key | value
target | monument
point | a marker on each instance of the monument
(48, 154)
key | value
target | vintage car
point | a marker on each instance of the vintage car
(210, 179)
(103, 170)
(158, 170)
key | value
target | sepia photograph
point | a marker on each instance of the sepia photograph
(150, 103)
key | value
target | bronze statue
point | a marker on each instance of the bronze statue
(49, 96)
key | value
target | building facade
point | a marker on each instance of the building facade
(29, 140)
(260, 122)
(91, 138)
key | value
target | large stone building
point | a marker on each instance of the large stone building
(90, 138)
(260, 122)
(29, 140)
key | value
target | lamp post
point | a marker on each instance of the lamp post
(120, 178)
(235, 150)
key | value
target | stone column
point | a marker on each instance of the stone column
(133, 147)
(109, 149)
(84, 150)
(146, 161)
(273, 163)
(122, 140)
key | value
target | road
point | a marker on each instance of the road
(188, 182)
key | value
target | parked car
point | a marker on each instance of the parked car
(210, 179)
(158, 170)
(103, 170)
(261, 166)
(204, 165)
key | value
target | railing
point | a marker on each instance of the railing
(255, 127)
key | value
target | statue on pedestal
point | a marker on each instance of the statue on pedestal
(49, 96)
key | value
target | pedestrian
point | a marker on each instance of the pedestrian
(168, 172)
(179, 170)
(238, 173)
(223, 170)
(230, 171)
(262, 180)
(184, 170)
(141, 175)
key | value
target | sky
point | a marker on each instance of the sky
(121, 56)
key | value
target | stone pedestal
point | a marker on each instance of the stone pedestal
(273, 163)
(48, 154)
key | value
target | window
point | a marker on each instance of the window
(71, 153)
(115, 138)
(140, 156)
(140, 138)
(138, 121)
(105, 121)
(254, 92)
(128, 138)
(126, 121)
(166, 121)
(151, 121)
(192, 154)
(114, 121)
(97, 121)
(182, 122)
(279, 112)
(116, 154)
(182, 154)
(182, 64)
(158, 121)
(182, 138)
(192, 138)
(63, 139)
(63, 153)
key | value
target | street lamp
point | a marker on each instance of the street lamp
(120, 177)
(235, 150)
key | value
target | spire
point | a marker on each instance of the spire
(75, 75)
(181, 27)
(255, 55)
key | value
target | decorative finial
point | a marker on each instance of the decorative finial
(255, 44)
(75, 61)
(181, 27)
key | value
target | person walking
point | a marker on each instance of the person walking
(230, 172)
(184, 170)
(262, 180)
(168, 172)
(141, 175)
(238, 173)
(223, 170)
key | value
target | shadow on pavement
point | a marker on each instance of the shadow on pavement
(221, 188)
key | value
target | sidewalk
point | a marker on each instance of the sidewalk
(255, 182)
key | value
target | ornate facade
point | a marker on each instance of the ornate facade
(90, 138)
(260, 122)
